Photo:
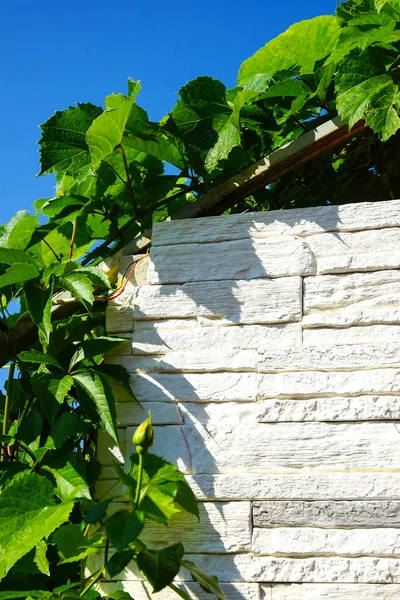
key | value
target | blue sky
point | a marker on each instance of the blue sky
(54, 54)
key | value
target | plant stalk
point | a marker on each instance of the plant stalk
(7, 405)
(129, 182)
(139, 481)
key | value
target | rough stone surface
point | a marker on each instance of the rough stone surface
(193, 387)
(242, 259)
(298, 541)
(142, 591)
(267, 347)
(223, 527)
(186, 334)
(320, 383)
(333, 358)
(347, 217)
(329, 336)
(327, 513)
(332, 592)
(290, 447)
(238, 301)
(361, 408)
(303, 485)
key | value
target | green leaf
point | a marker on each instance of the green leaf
(68, 475)
(160, 567)
(181, 492)
(10, 256)
(51, 389)
(119, 561)
(20, 235)
(97, 512)
(93, 385)
(28, 514)
(228, 138)
(37, 594)
(7, 227)
(301, 46)
(68, 425)
(120, 595)
(80, 286)
(100, 345)
(107, 130)
(36, 357)
(18, 273)
(39, 303)
(41, 558)
(124, 527)
(365, 91)
(209, 583)
(73, 545)
(63, 144)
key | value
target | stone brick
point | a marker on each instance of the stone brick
(329, 336)
(332, 592)
(237, 301)
(327, 513)
(142, 591)
(239, 259)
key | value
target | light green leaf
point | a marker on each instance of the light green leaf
(65, 470)
(10, 256)
(18, 273)
(93, 385)
(107, 130)
(160, 567)
(41, 558)
(96, 275)
(7, 227)
(301, 46)
(365, 91)
(20, 235)
(73, 545)
(80, 286)
(63, 144)
(228, 138)
(28, 513)
(209, 583)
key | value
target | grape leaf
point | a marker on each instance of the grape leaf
(365, 91)
(18, 273)
(20, 235)
(302, 45)
(41, 558)
(73, 545)
(28, 513)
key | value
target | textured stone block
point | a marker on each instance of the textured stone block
(289, 447)
(119, 319)
(303, 485)
(303, 221)
(328, 336)
(224, 413)
(327, 513)
(350, 299)
(223, 527)
(163, 413)
(241, 259)
(142, 591)
(297, 541)
(320, 383)
(157, 338)
(203, 361)
(332, 592)
(237, 301)
(194, 387)
(360, 408)
(347, 357)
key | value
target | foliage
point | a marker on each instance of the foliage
(116, 174)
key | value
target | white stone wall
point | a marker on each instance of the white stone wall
(267, 347)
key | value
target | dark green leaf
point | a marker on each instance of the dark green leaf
(39, 302)
(36, 357)
(100, 345)
(73, 545)
(209, 583)
(80, 286)
(51, 390)
(119, 561)
(124, 527)
(97, 512)
(160, 567)
(93, 385)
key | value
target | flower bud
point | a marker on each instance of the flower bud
(143, 437)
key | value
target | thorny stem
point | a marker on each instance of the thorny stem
(7, 405)
(129, 182)
(139, 481)
(71, 246)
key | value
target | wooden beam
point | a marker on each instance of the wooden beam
(280, 162)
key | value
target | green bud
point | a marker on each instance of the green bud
(143, 437)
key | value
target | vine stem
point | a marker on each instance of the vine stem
(7, 405)
(129, 182)
(71, 246)
(50, 248)
(92, 583)
(139, 481)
